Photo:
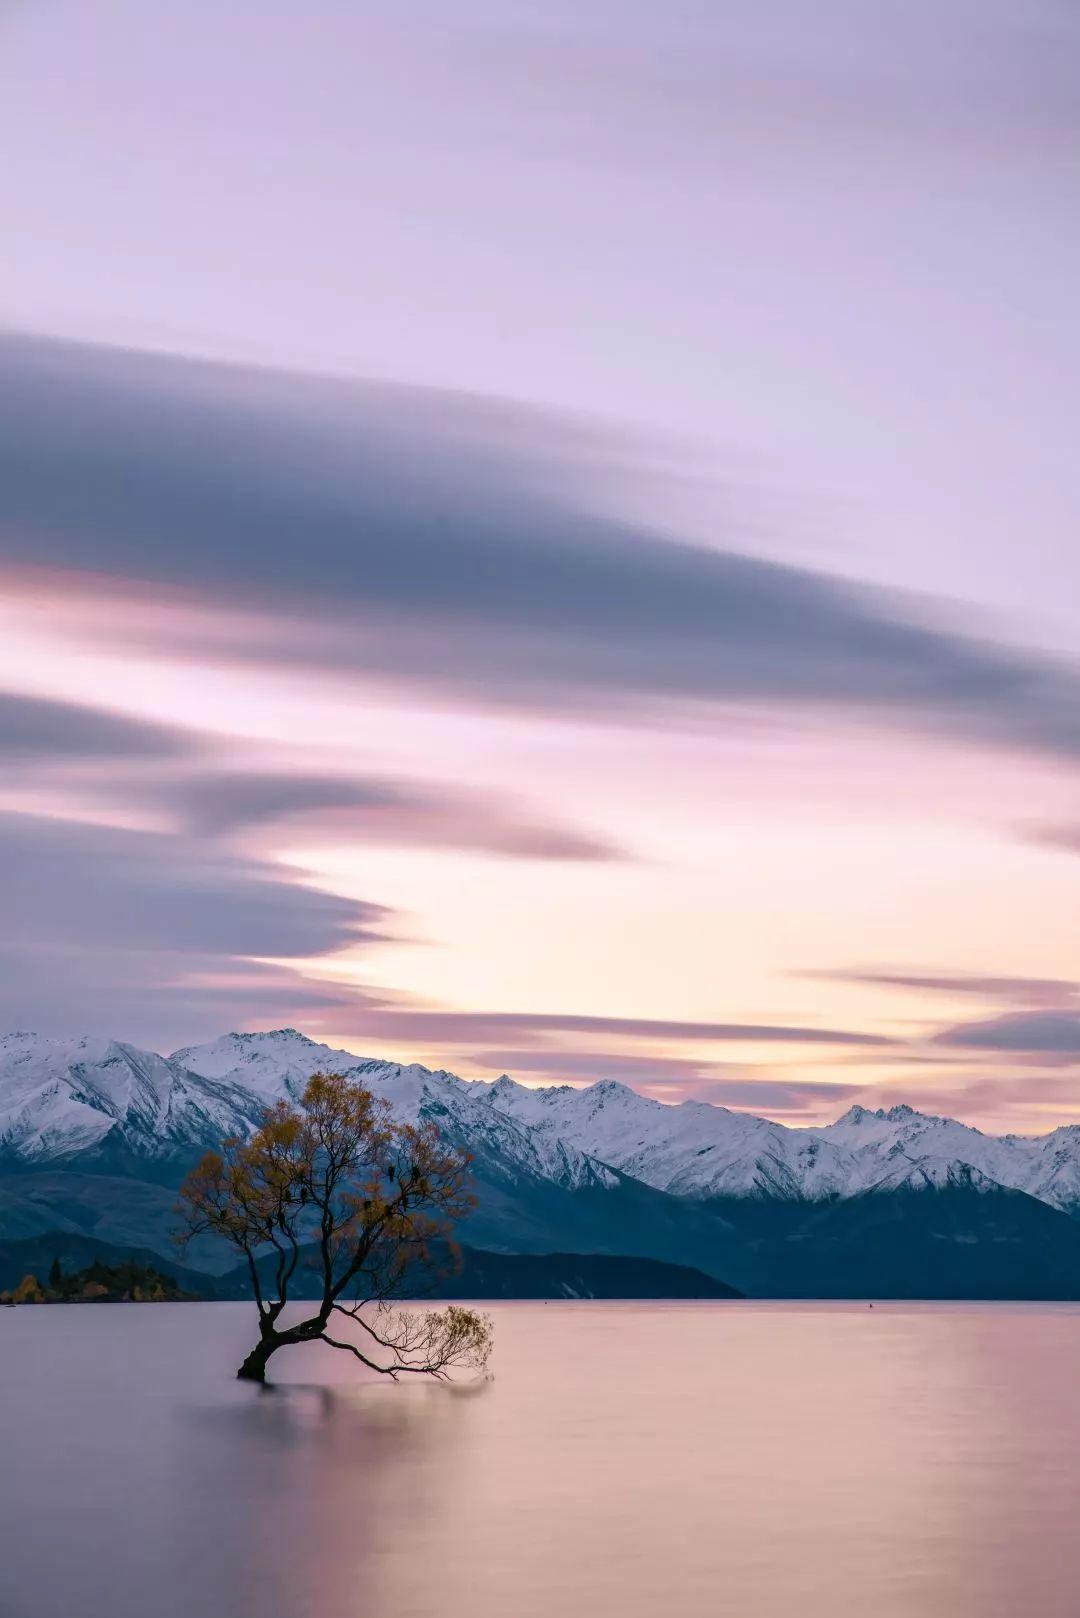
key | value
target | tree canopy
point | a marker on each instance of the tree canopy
(337, 1184)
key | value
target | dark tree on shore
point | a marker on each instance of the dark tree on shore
(336, 1183)
(56, 1275)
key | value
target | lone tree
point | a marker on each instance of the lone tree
(337, 1186)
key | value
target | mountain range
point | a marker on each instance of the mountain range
(95, 1135)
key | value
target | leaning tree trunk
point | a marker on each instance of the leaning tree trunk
(254, 1367)
(270, 1340)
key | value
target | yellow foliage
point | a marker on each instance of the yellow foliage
(337, 1184)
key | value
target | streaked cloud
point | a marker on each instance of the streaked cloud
(583, 1067)
(125, 933)
(981, 985)
(1062, 836)
(154, 997)
(37, 730)
(418, 535)
(457, 1027)
(667, 1078)
(1051, 1032)
(207, 794)
(228, 802)
(793, 1099)
(141, 890)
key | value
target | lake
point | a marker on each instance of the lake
(761, 1460)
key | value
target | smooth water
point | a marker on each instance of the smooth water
(758, 1460)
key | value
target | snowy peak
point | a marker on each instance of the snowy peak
(274, 1065)
(62, 1098)
(705, 1152)
(279, 1064)
(870, 1119)
(862, 1115)
(691, 1150)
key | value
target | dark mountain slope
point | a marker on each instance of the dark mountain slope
(35, 1256)
(962, 1240)
(516, 1212)
(480, 1275)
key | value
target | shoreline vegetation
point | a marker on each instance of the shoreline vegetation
(97, 1283)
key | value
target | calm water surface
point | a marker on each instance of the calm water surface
(758, 1460)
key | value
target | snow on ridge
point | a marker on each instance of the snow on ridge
(60, 1097)
(280, 1064)
(703, 1151)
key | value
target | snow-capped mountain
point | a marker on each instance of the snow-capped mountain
(691, 1150)
(910, 1142)
(701, 1151)
(278, 1064)
(67, 1100)
(60, 1098)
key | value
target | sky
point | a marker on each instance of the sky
(544, 538)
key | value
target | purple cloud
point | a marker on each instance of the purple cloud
(227, 802)
(670, 1078)
(992, 986)
(1054, 1032)
(461, 1027)
(1064, 837)
(36, 730)
(146, 936)
(412, 534)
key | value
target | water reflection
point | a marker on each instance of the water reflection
(752, 1460)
